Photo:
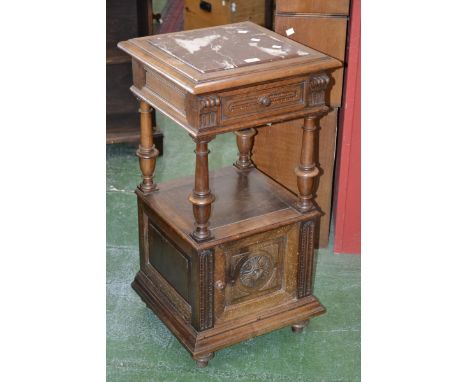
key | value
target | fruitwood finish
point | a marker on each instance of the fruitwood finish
(321, 25)
(235, 260)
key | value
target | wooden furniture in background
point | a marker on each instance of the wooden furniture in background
(124, 19)
(321, 25)
(208, 13)
(228, 255)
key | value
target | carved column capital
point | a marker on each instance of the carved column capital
(318, 85)
(209, 102)
(208, 108)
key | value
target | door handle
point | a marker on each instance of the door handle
(205, 6)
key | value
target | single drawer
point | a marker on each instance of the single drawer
(199, 14)
(263, 100)
(206, 13)
(336, 7)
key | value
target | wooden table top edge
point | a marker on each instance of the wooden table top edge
(196, 82)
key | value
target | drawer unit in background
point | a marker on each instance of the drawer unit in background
(323, 33)
(331, 7)
(321, 25)
(208, 13)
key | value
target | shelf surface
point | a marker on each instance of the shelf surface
(246, 202)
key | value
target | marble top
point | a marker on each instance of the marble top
(228, 47)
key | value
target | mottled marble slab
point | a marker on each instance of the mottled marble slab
(228, 47)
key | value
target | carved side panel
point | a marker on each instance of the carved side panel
(205, 290)
(164, 265)
(317, 89)
(306, 259)
(166, 90)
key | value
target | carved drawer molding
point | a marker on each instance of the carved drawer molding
(259, 101)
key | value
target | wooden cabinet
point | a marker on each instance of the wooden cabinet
(322, 7)
(208, 13)
(321, 25)
(124, 19)
(228, 255)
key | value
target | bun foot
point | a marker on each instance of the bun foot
(202, 361)
(299, 327)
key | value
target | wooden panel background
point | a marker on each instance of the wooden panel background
(321, 25)
(325, 34)
(267, 146)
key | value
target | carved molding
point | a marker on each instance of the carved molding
(209, 110)
(206, 289)
(171, 296)
(255, 269)
(317, 87)
(209, 102)
(306, 258)
(262, 101)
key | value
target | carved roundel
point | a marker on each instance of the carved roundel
(255, 271)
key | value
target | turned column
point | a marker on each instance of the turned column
(201, 197)
(244, 140)
(307, 169)
(147, 152)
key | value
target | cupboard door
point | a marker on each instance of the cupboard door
(256, 273)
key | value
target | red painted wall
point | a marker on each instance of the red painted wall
(347, 198)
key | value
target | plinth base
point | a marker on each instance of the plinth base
(201, 344)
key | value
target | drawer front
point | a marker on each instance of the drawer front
(247, 10)
(340, 7)
(262, 101)
(200, 14)
(206, 13)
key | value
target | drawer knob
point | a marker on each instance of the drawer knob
(265, 101)
(220, 285)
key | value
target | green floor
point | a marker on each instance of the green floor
(140, 348)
